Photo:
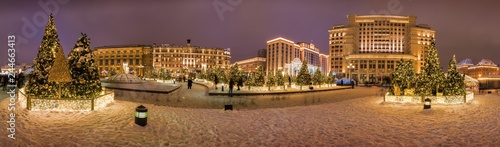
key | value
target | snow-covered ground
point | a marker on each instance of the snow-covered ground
(358, 122)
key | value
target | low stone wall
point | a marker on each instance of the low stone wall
(458, 99)
(33, 103)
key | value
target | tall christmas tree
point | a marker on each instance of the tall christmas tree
(234, 73)
(38, 84)
(318, 77)
(403, 76)
(271, 81)
(84, 72)
(455, 84)
(221, 74)
(280, 80)
(304, 78)
(259, 76)
(250, 81)
(59, 72)
(431, 79)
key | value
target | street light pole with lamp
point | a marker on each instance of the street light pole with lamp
(349, 68)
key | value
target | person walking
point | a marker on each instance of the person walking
(216, 81)
(240, 83)
(190, 83)
(231, 83)
(352, 84)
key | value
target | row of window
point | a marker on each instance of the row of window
(119, 62)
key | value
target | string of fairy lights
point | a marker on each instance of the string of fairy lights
(37, 104)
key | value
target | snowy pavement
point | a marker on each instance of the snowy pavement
(355, 122)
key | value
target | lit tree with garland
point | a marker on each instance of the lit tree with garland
(455, 83)
(431, 79)
(168, 74)
(280, 80)
(234, 72)
(250, 80)
(221, 74)
(259, 76)
(330, 79)
(403, 77)
(318, 77)
(59, 72)
(304, 78)
(38, 84)
(84, 72)
(271, 81)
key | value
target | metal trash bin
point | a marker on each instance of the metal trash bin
(141, 115)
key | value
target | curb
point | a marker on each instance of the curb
(150, 91)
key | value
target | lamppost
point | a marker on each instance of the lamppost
(349, 68)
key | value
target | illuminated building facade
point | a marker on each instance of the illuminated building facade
(250, 65)
(372, 45)
(284, 54)
(187, 60)
(138, 57)
(485, 68)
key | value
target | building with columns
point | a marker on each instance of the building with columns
(138, 57)
(184, 60)
(285, 55)
(187, 60)
(369, 47)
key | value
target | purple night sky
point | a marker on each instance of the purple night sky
(467, 29)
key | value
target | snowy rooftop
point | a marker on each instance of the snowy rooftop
(465, 62)
(486, 62)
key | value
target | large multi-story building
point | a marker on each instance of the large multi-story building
(138, 57)
(369, 47)
(285, 55)
(188, 59)
(180, 60)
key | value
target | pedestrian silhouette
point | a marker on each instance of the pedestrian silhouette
(190, 83)
(231, 83)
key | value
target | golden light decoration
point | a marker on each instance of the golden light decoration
(39, 104)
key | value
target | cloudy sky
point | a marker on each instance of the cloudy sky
(464, 28)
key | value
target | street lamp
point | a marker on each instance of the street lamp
(350, 67)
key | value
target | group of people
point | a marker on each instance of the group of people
(5, 80)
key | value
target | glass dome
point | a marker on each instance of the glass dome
(124, 78)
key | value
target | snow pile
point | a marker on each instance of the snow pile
(361, 122)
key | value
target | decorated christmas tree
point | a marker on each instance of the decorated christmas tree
(280, 79)
(259, 76)
(455, 84)
(234, 73)
(59, 72)
(304, 78)
(403, 76)
(317, 78)
(431, 78)
(39, 84)
(84, 71)
(271, 81)
(221, 74)
(168, 74)
(250, 80)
